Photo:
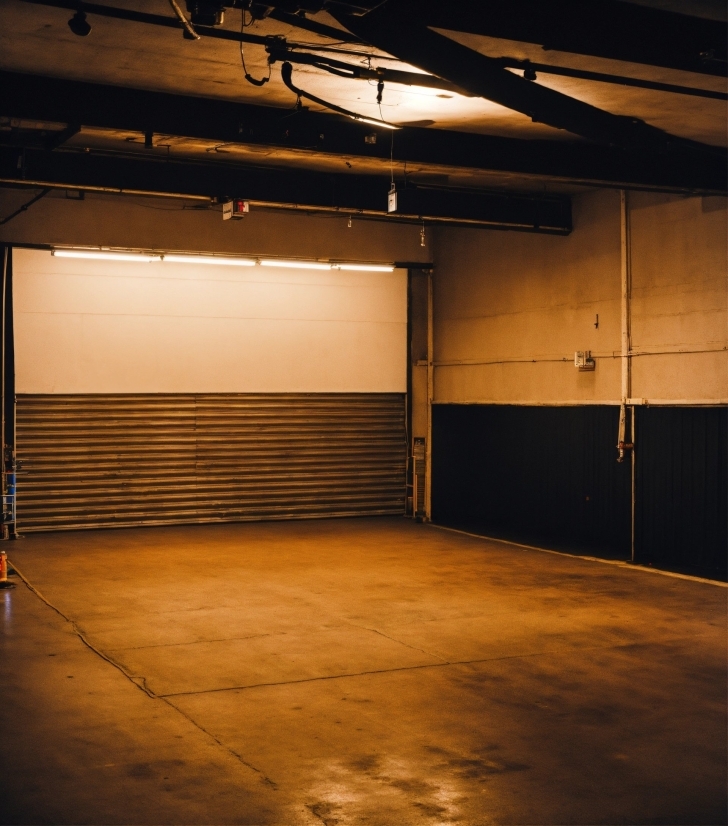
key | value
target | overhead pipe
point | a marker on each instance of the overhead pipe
(601, 77)
(296, 207)
(281, 51)
(24, 183)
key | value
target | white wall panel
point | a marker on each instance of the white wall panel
(86, 326)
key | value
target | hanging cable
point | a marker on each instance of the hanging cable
(391, 161)
(25, 206)
(248, 76)
(287, 77)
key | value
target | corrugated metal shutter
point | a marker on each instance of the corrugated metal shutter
(91, 461)
(681, 517)
(541, 475)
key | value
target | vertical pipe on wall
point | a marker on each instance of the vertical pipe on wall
(633, 483)
(3, 487)
(430, 396)
(626, 329)
(626, 390)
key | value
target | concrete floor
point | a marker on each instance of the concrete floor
(354, 672)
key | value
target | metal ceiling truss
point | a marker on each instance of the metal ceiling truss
(313, 134)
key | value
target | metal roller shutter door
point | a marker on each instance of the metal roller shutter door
(99, 461)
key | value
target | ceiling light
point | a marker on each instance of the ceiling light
(217, 260)
(106, 256)
(79, 25)
(298, 265)
(209, 259)
(364, 267)
(374, 122)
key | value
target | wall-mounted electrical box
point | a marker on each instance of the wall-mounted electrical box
(583, 361)
(392, 200)
(235, 209)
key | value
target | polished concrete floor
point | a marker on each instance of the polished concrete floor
(370, 671)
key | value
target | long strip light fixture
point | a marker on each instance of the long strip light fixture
(218, 260)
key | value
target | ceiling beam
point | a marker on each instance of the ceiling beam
(285, 189)
(601, 28)
(487, 77)
(46, 99)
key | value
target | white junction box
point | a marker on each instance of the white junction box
(392, 200)
(583, 361)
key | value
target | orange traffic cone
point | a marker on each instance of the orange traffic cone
(4, 582)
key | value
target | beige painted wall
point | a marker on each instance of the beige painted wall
(679, 297)
(88, 326)
(151, 223)
(511, 309)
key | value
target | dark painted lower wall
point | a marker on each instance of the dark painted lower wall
(549, 476)
(682, 488)
(541, 475)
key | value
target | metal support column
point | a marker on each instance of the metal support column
(430, 396)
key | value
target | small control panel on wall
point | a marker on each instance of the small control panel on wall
(235, 209)
(583, 361)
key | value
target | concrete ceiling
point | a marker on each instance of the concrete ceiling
(35, 39)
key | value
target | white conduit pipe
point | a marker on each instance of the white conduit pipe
(626, 278)
(430, 395)
(626, 392)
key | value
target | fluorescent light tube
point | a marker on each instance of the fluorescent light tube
(298, 265)
(209, 259)
(106, 256)
(364, 267)
(374, 122)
